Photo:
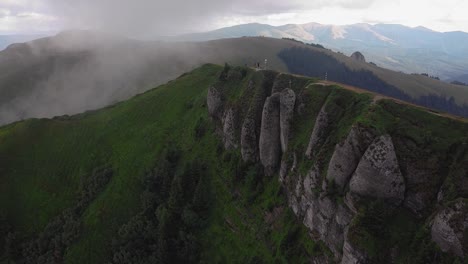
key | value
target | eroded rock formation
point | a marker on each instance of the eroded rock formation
(347, 155)
(449, 228)
(249, 140)
(378, 174)
(318, 134)
(214, 102)
(269, 142)
(287, 102)
(358, 56)
(229, 130)
(364, 167)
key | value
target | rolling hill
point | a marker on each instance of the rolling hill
(232, 165)
(395, 47)
(79, 70)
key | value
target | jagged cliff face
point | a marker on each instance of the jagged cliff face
(351, 168)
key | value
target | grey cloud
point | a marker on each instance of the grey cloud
(140, 18)
(356, 4)
(4, 13)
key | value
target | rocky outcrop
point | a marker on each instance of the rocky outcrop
(347, 155)
(318, 133)
(249, 141)
(327, 220)
(352, 255)
(320, 260)
(358, 56)
(287, 102)
(363, 169)
(214, 102)
(378, 174)
(449, 228)
(229, 130)
(269, 141)
(321, 214)
(285, 169)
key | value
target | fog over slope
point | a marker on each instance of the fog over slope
(77, 71)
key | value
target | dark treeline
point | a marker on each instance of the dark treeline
(175, 206)
(459, 83)
(49, 246)
(316, 45)
(308, 62)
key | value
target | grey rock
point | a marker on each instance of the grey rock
(311, 214)
(351, 255)
(229, 130)
(321, 260)
(286, 168)
(321, 214)
(378, 173)
(295, 198)
(287, 102)
(283, 173)
(358, 56)
(347, 155)
(328, 220)
(269, 142)
(318, 133)
(249, 141)
(343, 216)
(311, 182)
(349, 200)
(214, 102)
(449, 228)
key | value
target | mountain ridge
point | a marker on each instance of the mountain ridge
(394, 46)
(48, 77)
(119, 183)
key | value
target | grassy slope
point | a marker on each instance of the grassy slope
(248, 50)
(251, 49)
(44, 159)
(42, 163)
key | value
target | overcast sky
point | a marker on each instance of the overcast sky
(146, 18)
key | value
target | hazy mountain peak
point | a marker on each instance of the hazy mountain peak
(412, 50)
(338, 32)
(424, 29)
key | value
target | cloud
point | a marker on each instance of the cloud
(4, 12)
(141, 17)
(150, 18)
(25, 22)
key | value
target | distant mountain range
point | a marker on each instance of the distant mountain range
(6, 40)
(396, 47)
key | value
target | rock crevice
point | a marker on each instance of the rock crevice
(347, 155)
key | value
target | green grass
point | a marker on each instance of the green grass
(44, 162)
